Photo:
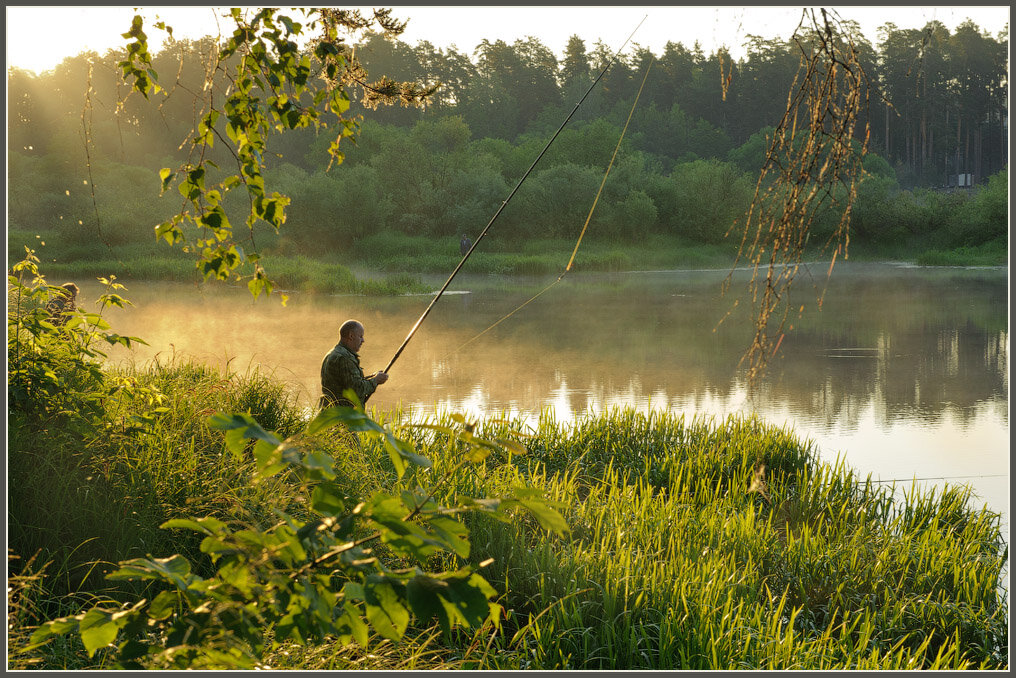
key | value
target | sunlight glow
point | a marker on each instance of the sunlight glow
(39, 38)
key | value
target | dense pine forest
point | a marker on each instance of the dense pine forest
(687, 168)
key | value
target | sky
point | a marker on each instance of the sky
(38, 38)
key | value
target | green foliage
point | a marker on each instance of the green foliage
(701, 200)
(311, 578)
(53, 358)
(985, 217)
(677, 135)
(439, 171)
(751, 155)
(556, 200)
(990, 254)
(634, 218)
(273, 86)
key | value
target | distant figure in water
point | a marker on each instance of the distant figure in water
(464, 245)
(62, 303)
(341, 369)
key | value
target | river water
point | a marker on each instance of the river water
(902, 372)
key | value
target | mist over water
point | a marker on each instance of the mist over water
(903, 372)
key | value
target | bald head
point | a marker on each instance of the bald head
(349, 327)
(351, 335)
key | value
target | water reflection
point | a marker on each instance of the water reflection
(900, 365)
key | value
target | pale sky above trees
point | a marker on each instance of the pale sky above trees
(38, 38)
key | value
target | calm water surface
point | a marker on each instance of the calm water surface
(903, 372)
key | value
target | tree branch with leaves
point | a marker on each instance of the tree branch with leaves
(262, 81)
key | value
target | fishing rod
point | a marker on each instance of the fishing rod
(584, 226)
(505, 203)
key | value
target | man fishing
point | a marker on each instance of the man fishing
(341, 369)
(62, 304)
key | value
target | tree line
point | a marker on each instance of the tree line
(687, 166)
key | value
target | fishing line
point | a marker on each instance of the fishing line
(585, 226)
(426, 311)
(907, 480)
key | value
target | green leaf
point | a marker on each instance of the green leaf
(239, 428)
(269, 458)
(423, 594)
(57, 627)
(326, 499)
(454, 534)
(97, 630)
(207, 525)
(169, 232)
(512, 446)
(237, 575)
(175, 569)
(356, 420)
(385, 611)
(350, 623)
(331, 417)
(166, 177)
(259, 283)
(216, 220)
(546, 515)
(469, 598)
(216, 547)
(320, 463)
(163, 606)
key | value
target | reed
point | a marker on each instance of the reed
(674, 562)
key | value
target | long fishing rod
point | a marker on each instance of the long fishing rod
(503, 204)
(584, 226)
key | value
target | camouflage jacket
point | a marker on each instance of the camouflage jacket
(341, 370)
(58, 307)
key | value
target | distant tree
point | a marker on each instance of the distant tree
(379, 53)
(576, 72)
(676, 135)
(451, 70)
(674, 74)
(447, 134)
(512, 84)
(710, 196)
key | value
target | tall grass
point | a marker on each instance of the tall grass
(684, 552)
(674, 562)
(90, 501)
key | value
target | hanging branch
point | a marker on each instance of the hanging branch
(260, 82)
(813, 166)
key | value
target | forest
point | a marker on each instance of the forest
(686, 170)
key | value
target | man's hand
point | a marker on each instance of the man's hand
(380, 377)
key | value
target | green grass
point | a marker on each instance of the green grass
(990, 254)
(677, 556)
(159, 262)
(496, 256)
(674, 564)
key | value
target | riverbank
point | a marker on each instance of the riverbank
(692, 544)
(392, 263)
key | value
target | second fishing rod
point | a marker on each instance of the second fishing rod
(426, 311)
